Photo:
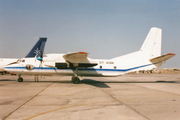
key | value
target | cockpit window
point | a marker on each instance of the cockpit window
(21, 60)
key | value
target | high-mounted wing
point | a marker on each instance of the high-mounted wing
(76, 56)
(79, 59)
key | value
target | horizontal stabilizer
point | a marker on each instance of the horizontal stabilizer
(162, 58)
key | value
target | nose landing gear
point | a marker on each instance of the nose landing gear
(20, 79)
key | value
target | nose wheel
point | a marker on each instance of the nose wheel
(75, 80)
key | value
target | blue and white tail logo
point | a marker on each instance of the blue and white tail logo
(37, 52)
(38, 48)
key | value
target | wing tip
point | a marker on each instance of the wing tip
(83, 52)
(171, 54)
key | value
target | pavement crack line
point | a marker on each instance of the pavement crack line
(27, 101)
(124, 103)
(156, 90)
(62, 108)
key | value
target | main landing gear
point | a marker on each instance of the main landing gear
(75, 80)
(20, 79)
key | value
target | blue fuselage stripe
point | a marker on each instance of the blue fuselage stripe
(82, 69)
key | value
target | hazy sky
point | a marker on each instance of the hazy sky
(103, 28)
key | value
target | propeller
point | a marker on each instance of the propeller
(39, 56)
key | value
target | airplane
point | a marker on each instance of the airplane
(79, 64)
(8, 61)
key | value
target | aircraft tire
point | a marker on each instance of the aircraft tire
(72, 78)
(75, 80)
(20, 79)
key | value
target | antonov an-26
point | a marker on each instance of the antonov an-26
(78, 64)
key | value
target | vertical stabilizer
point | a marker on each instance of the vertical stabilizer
(38, 48)
(151, 47)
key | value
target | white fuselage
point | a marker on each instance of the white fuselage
(105, 67)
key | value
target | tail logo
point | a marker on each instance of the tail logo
(37, 52)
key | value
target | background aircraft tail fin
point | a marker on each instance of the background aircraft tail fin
(151, 47)
(38, 48)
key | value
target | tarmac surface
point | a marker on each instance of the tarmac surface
(128, 97)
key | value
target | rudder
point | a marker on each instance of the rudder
(151, 47)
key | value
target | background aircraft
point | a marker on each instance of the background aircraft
(78, 64)
(4, 62)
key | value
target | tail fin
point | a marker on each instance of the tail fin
(151, 47)
(38, 48)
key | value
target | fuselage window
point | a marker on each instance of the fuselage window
(23, 60)
(114, 67)
(100, 67)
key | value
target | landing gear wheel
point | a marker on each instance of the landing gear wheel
(20, 79)
(75, 80)
(72, 78)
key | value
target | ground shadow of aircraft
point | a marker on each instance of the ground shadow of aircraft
(103, 84)
(8, 80)
(95, 83)
(100, 84)
(84, 81)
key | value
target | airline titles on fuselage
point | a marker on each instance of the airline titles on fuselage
(106, 62)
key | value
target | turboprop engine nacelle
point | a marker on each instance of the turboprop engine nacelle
(30, 67)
